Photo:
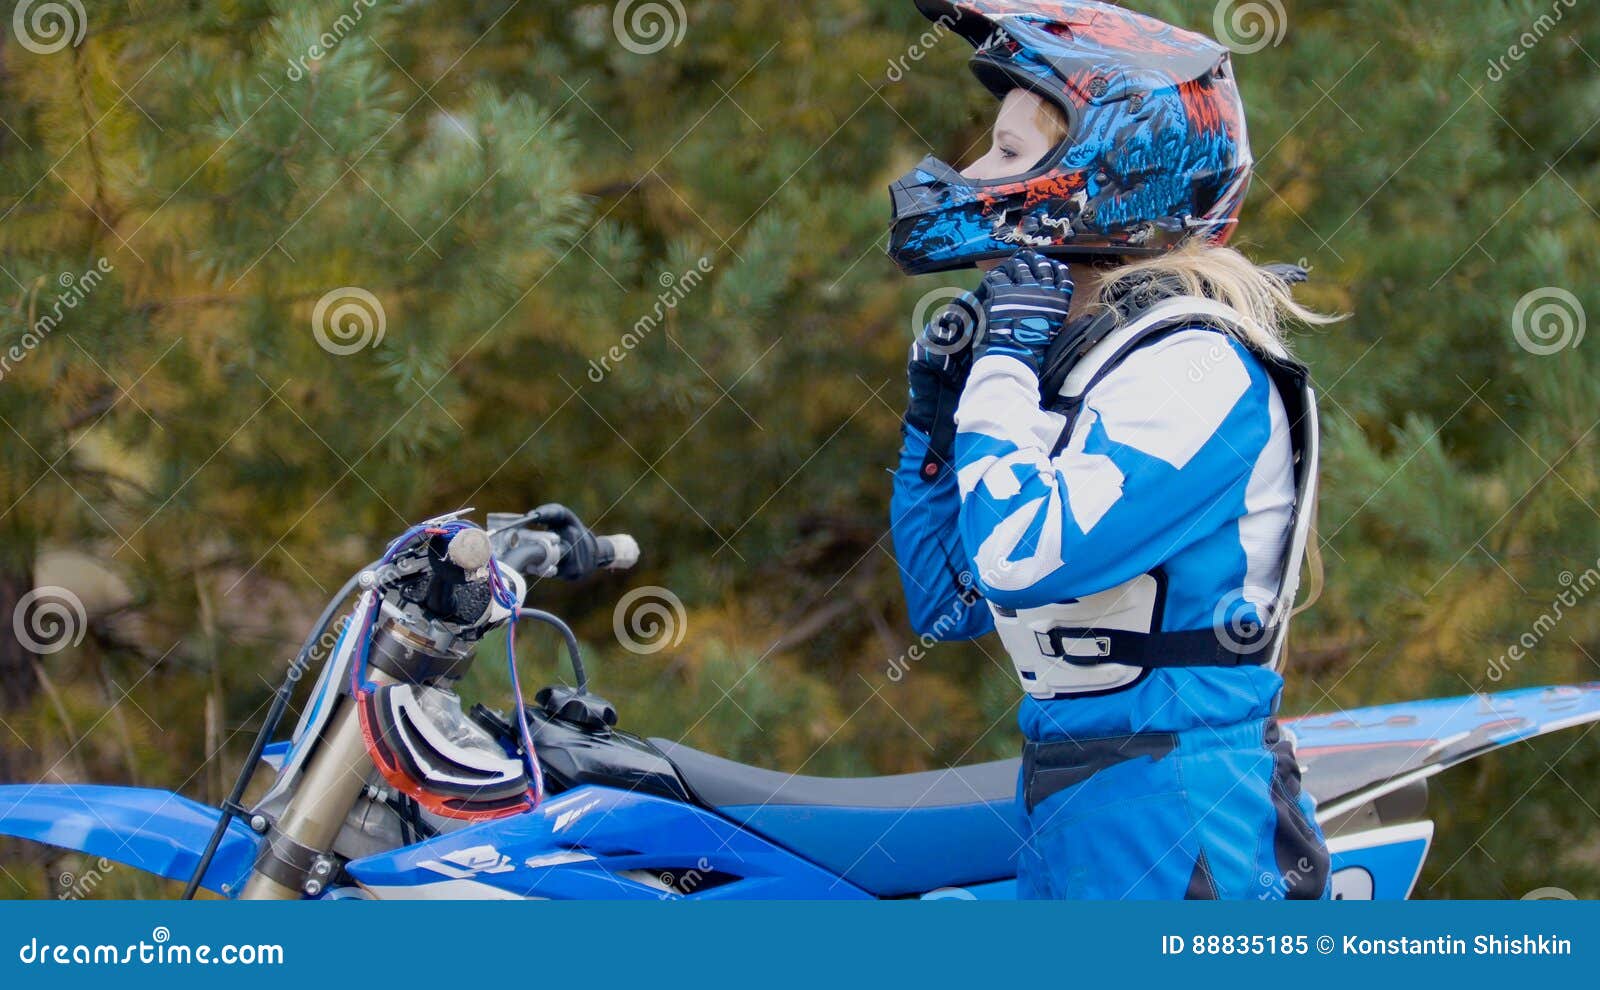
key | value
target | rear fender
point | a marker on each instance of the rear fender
(1353, 757)
(156, 831)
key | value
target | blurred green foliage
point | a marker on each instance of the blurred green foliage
(518, 190)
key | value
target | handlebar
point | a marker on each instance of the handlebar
(537, 553)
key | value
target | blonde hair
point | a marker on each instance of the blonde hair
(1052, 123)
(1201, 268)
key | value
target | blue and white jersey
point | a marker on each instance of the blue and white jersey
(1178, 465)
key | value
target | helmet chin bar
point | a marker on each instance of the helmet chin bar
(942, 220)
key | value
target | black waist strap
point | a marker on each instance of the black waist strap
(1087, 646)
(1050, 767)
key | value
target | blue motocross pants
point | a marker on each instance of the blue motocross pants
(1207, 813)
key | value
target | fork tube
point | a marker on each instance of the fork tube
(332, 781)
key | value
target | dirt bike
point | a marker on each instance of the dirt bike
(387, 789)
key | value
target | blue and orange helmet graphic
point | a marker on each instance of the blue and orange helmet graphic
(1156, 151)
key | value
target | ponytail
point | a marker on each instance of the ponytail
(1200, 268)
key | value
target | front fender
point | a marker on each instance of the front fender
(156, 831)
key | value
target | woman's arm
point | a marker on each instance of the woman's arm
(1160, 456)
(941, 596)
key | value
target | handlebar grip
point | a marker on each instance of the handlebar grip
(618, 552)
(532, 553)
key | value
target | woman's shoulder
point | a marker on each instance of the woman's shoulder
(1193, 361)
(1171, 396)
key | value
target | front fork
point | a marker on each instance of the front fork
(294, 861)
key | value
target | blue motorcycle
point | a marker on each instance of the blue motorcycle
(386, 788)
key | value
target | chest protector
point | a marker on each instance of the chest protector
(1108, 640)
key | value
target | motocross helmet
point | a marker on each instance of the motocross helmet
(1155, 153)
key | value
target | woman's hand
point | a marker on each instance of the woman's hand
(941, 356)
(1025, 305)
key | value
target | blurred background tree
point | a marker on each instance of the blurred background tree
(288, 275)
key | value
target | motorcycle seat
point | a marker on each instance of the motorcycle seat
(892, 835)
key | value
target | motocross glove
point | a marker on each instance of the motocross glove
(1026, 304)
(941, 356)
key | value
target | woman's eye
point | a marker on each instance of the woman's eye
(1007, 153)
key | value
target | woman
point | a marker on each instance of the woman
(1109, 458)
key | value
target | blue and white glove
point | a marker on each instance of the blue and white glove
(1025, 305)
